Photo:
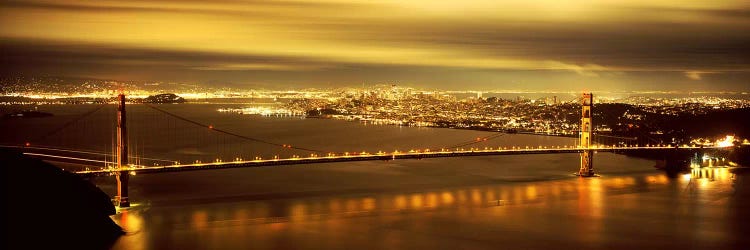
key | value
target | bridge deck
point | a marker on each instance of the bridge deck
(365, 157)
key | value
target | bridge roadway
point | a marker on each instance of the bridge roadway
(368, 157)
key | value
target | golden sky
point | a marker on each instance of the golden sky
(482, 44)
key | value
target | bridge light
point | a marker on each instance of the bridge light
(27, 144)
(210, 126)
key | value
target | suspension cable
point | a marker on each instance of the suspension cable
(479, 139)
(78, 151)
(648, 137)
(230, 133)
(69, 123)
(617, 137)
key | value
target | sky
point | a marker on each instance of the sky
(669, 45)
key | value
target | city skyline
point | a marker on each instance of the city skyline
(541, 45)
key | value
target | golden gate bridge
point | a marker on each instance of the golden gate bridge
(128, 156)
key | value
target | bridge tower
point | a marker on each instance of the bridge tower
(587, 155)
(122, 155)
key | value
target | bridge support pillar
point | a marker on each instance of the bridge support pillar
(122, 189)
(587, 164)
(587, 156)
(122, 154)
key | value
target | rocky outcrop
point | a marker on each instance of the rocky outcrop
(164, 98)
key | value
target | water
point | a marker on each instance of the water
(529, 201)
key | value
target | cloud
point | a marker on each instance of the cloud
(698, 75)
(590, 70)
(694, 75)
(262, 67)
(482, 42)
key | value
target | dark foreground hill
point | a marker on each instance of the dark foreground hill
(45, 207)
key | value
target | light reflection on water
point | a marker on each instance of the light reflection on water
(593, 203)
(484, 202)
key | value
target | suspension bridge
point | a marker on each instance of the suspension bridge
(125, 155)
